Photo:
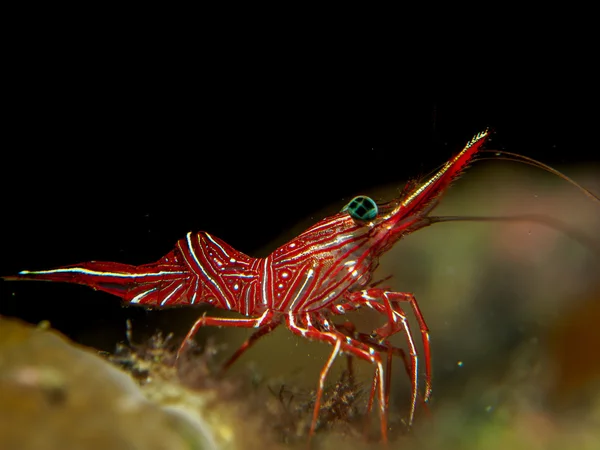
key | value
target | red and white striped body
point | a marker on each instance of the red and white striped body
(325, 270)
(315, 270)
(302, 275)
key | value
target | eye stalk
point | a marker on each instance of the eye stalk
(361, 208)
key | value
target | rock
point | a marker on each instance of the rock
(56, 394)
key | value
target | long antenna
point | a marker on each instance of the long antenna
(550, 222)
(532, 162)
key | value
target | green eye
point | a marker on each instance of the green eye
(361, 208)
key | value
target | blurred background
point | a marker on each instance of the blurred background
(112, 160)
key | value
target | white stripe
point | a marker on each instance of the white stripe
(215, 284)
(240, 275)
(214, 242)
(265, 282)
(170, 295)
(195, 291)
(326, 224)
(308, 276)
(98, 273)
(339, 240)
(293, 325)
(138, 297)
(262, 318)
(247, 300)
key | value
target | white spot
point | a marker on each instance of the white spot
(236, 286)
(292, 245)
(280, 286)
(285, 274)
(341, 309)
(355, 273)
(232, 260)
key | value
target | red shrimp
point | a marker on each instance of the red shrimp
(326, 271)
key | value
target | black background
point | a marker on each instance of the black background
(116, 155)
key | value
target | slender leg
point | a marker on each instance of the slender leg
(322, 377)
(410, 298)
(346, 344)
(391, 350)
(349, 329)
(262, 331)
(257, 322)
(396, 322)
(388, 330)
